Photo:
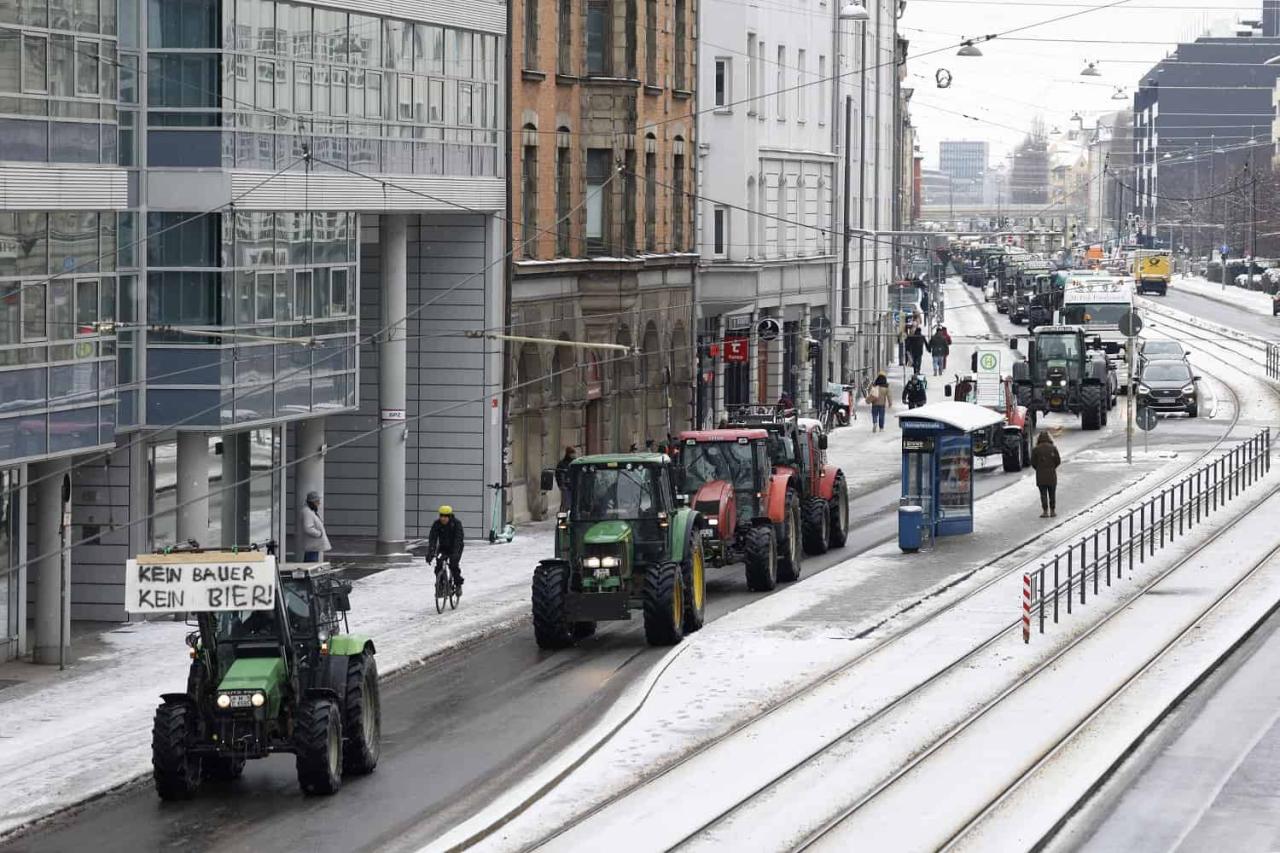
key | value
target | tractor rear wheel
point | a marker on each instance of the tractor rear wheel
(362, 717)
(222, 768)
(693, 575)
(551, 626)
(838, 528)
(1024, 445)
(815, 519)
(1091, 407)
(1012, 456)
(760, 554)
(175, 770)
(663, 605)
(317, 738)
(791, 554)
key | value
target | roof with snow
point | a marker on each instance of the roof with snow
(965, 417)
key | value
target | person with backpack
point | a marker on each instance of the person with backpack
(915, 392)
(939, 348)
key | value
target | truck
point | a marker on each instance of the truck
(1152, 272)
(1097, 304)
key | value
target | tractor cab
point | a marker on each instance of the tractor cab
(636, 491)
(713, 461)
(1057, 356)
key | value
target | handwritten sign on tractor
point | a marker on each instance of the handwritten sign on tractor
(214, 580)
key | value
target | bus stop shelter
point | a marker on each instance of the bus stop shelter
(937, 471)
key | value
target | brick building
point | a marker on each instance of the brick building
(602, 227)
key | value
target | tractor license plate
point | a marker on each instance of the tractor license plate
(240, 700)
(707, 532)
(1056, 401)
(602, 573)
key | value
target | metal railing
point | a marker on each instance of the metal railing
(1273, 360)
(1126, 541)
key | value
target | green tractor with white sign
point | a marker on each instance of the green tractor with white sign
(625, 544)
(287, 676)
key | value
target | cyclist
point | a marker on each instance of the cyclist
(446, 539)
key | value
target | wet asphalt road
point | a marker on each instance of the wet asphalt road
(456, 732)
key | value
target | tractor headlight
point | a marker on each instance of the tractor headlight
(224, 700)
(713, 522)
(258, 699)
(609, 562)
(591, 562)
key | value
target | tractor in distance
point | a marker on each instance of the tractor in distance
(1062, 373)
(727, 477)
(797, 446)
(626, 543)
(281, 673)
(990, 386)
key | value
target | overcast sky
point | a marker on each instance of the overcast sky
(1036, 71)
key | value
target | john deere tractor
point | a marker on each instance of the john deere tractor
(288, 678)
(1063, 373)
(625, 544)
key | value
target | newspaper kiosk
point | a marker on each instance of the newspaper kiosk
(937, 471)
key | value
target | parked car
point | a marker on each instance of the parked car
(1169, 386)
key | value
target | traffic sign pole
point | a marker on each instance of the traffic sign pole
(1132, 401)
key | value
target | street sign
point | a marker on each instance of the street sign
(820, 327)
(1145, 418)
(844, 334)
(1130, 324)
(768, 329)
(737, 350)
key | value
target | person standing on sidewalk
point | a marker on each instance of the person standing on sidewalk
(879, 399)
(915, 347)
(314, 539)
(1045, 459)
(939, 348)
(562, 478)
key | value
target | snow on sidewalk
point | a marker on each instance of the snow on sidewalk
(66, 740)
(1237, 297)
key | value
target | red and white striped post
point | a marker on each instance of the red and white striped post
(1026, 607)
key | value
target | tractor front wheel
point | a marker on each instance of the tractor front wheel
(663, 605)
(175, 770)
(789, 559)
(838, 529)
(318, 742)
(694, 577)
(1091, 407)
(551, 627)
(815, 519)
(362, 717)
(760, 554)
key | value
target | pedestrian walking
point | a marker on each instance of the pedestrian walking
(915, 392)
(939, 348)
(915, 347)
(314, 539)
(562, 478)
(1045, 459)
(946, 335)
(879, 399)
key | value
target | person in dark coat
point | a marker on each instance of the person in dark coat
(915, 347)
(939, 348)
(446, 538)
(1045, 459)
(562, 478)
(915, 392)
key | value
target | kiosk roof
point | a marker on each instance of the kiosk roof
(965, 417)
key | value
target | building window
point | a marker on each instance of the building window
(681, 48)
(802, 91)
(564, 183)
(651, 42)
(781, 85)
(35, 63)
(650, 202)
(599, 164)
(531, 33)
(723, 82)
(677, 201)
(598, 29)
(753, 71)
(751, 217)
(719, 231)
(529, 201)
(823, 106)
(632, 25)
(566, 36)
(761, 104)
(33, 312)
(629, 202)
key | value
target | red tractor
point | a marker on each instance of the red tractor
(752, 512)
(797, 446)
(1010, 439)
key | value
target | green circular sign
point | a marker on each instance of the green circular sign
(989, 361)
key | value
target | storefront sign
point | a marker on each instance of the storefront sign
(736, 350)
(217, 580)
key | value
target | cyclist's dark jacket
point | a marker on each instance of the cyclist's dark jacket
(446, 539)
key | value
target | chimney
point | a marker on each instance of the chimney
(1271, 18)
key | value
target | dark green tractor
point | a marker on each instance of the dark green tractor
(287, 679)
(625, 544)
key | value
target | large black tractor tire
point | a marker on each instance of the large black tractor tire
(1012, 458)
(1091, 407)
(551, 626)
(317, 740)
(814, 520)
(362, 716)
(175, 770)
(760, 554)
(838, 528)
(791, 554)
(693, 574)
(663, 605)
(1023, 393)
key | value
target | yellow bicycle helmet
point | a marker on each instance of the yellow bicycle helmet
(445, 509)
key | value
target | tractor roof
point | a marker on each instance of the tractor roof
(1057, 330)
(731, 434)
(623, 458)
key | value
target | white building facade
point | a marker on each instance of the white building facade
(775, 86)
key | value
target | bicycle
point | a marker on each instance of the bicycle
(446, 590)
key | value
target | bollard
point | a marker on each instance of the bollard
(1109, 551)
(1084, 568)
(1162, 519)
(1095, 563)
(1026, 607)
(1130, 541)
(1071, 579)
(1042, 598)
(1056, 582)
(1182, 503)
(1142, 533)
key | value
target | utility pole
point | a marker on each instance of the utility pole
(846, 290)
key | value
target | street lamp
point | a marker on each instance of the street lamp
(1091, 70)
(1119, 94)
(968, 48)
(854, 11)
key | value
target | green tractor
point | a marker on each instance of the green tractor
(288, 677)
(625, 544)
